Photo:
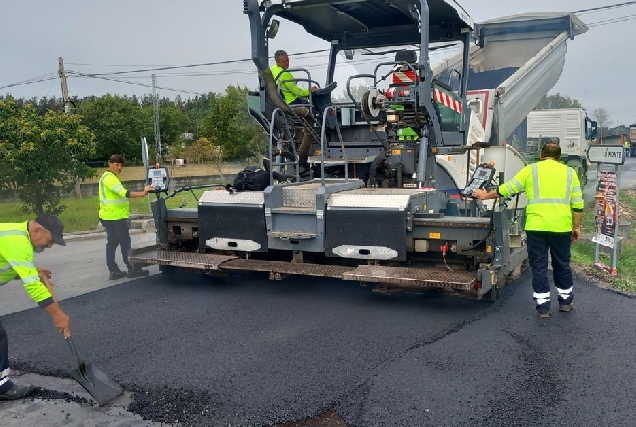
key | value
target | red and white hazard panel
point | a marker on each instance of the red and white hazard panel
(447, 101)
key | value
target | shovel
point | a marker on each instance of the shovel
(93, 379)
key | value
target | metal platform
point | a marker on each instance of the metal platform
(404, 277)
(284, 267)
(413, 277)
(180, 259)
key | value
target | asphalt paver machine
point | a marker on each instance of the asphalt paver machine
(393, 160)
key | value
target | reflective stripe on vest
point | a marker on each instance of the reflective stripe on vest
(105, 200)
(13, 233)
(113, 204)
(16, 260)
(537, 197)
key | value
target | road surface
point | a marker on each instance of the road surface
(247, 351)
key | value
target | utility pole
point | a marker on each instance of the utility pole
(67, 111)
(155, 107)
(617, 126)
(62, 72)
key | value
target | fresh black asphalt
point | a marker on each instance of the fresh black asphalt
(251, 352)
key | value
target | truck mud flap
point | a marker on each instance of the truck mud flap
(199, 261)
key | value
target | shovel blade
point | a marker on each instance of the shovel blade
(97, 384)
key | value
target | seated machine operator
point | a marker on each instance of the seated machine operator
(292, 94)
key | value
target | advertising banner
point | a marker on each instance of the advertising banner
(606, 209)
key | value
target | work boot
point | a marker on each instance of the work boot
(137, 272)
(114, 275)
(545, 315)
(303, 167)
(17, 392)
(566, 307)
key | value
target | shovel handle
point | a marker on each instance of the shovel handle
(75, 352)
(49, 286)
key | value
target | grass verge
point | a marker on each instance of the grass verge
(83, 214)
(583, 251)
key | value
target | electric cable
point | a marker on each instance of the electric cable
(28, 82)
(612, 21)
(233, 61)
(74, 73)
(602, 8)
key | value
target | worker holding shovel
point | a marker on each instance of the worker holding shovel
(18, 243)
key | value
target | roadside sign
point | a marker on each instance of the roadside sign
(144, 157)
(607, 194)
(612, 154)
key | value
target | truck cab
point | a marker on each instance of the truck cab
(571, 128)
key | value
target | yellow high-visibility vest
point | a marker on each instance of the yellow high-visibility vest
(553, 190)
(113, 201)
(16, 260)
(290, 89)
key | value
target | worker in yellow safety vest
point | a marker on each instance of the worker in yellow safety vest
(627, 148)
(291, 92)
(553, 222)
(293, 95)
(18, 243)
(114, 211)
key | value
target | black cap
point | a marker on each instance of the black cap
(54, 225)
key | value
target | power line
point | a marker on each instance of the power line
(251, 70)
(118, 65)
(601, 8)
(132, 83)
(234, 61)
(612, 21)
(42, 78)
(53, 76)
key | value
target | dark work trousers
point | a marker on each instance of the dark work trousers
(5, 382)
(117, 234)
(539, 242)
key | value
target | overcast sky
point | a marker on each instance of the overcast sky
(114, 35)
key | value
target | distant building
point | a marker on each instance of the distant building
(613, 139)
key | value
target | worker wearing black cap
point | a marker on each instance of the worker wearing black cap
(18, 243)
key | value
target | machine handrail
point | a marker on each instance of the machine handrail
(322, 146)
(273, 163)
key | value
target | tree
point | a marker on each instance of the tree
(230, 124)
(118, 124)
(199, 151)
(41, 155)
(602, 119)
(172, 123)
(558, 101)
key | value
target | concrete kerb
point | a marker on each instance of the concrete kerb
(137, 224)
(96, 234)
